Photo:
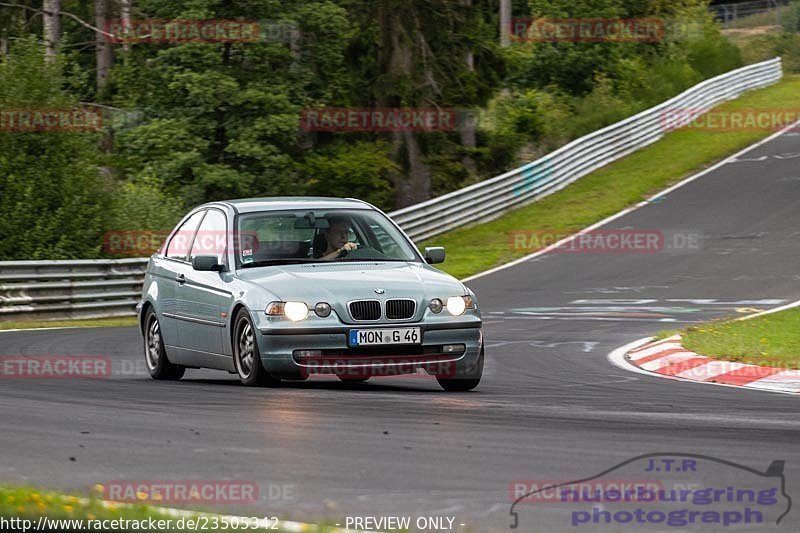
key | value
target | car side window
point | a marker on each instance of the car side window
(385, 242)
(212, 237)
(178, 247)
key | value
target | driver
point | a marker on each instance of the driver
(337, 236)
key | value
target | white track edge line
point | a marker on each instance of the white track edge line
(769, 311)
(58, 327)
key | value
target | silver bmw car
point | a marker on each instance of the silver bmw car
(278, 289)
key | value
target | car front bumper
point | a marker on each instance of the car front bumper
(284, 351)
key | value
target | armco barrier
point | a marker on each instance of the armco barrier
(493, 197)
(70, 289)
(107, 288)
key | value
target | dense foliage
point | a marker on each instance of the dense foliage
(188, 122)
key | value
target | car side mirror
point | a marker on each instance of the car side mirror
(434, 255)
(207, 263)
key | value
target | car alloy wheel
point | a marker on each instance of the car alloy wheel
(155, 354)
(246, 357)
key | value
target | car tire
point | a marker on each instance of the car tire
(155, 354)
(466, 379)
(246, 356)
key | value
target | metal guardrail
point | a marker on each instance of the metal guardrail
(493, 197)
(70, 289)
(109, 288)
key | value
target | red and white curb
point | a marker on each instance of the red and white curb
(669, 359)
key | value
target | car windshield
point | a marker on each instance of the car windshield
(285, 237)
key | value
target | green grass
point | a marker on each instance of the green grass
(87, 323)
(30, 504)
(608, 190)
(769, 340)
(27, 502)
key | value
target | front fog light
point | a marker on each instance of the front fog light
(453, 348)
(307, 354)
(456, 305)
(295, 311)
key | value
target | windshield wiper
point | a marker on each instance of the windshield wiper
(279, 261)
(373, 260)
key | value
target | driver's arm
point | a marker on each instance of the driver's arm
(348, 247)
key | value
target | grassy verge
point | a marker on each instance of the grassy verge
(25, 503)
(769, 340)
(88, 323)
(602, 193)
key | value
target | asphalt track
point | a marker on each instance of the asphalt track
(550, 406)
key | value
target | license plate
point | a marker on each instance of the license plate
(384, 336)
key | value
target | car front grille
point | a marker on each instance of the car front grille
(365, 310)
(400, 309)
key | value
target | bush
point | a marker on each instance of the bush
(790, 19)
(144, 205)
(788, 47)
(515, 119)
(351, 170)
(713, 55)
(53, 199)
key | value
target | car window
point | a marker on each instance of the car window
(385, 243)
(211, 237)
(275, 227)
(178, 247)
(272, 237)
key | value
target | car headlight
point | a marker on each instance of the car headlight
(294, 311)
(456, 305)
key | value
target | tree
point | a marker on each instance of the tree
(103, 53)
(51, 21)
(505, 23)
(52, 197)
(427, 54)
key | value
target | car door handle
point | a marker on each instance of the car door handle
(180, 278)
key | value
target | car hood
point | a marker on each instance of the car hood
(340, 282)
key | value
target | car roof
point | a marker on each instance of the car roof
(279, 203)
